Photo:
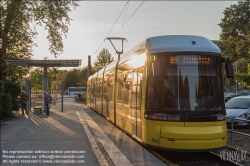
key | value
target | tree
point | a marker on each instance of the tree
(104, 58)
(235, 37)
(74, 78)
(84, 74)
(18, 21)
(36, 78)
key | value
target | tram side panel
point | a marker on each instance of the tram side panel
(123, 109)
(108, 105)
(88, 93)
(129, 99)
(99, 94)
(93, 94)
(138, 75)
(107, 101)
(105, 96)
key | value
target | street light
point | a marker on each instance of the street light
(69, 87)
(236, 66)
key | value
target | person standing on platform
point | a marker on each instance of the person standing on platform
(47, 100)
(24, 100)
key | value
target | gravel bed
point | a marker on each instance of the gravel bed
(240, 141)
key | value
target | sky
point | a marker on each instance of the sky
(93, 21)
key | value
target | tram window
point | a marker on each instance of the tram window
(120, 92)
(139, 92)
(94, 88)
(126, 91)
(97, 90)
(136, 91)
(100, 89)
(110, 91)
(105, 91)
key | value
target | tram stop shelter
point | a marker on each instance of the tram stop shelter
(45, 64)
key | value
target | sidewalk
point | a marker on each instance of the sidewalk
(37, 139)
(76, 136)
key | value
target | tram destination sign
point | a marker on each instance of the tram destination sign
(190, 60)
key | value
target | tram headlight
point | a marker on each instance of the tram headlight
(221, 117)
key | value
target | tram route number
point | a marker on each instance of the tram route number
(154, 140)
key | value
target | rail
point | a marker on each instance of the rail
(237, 132)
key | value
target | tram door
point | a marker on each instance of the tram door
(136, 104)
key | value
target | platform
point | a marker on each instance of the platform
(77, 136)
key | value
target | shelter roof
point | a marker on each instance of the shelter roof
(45, 63)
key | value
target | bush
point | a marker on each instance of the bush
(5, 105)
(12, 86)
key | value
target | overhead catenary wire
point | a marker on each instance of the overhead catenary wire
(125, 15)
(112, 26)
(134, 12)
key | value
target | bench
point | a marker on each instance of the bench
(38, 103)
(37, 109)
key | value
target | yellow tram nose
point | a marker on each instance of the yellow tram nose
(199, 135)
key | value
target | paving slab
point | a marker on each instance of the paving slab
(76, 136)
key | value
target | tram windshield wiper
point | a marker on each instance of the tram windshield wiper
(206, 112)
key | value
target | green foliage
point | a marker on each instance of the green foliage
(242, 77)
(61, 75)
(104, 58)
(16, 36)
(6, 105)
(18, 22)
(235, 35)
(76, 78)
(84, 74)
(242, 64)
(36, 78)
(235, 39)
(240, 74)
(12, 87)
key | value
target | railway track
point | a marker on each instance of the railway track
(212, 158)
(225, 157)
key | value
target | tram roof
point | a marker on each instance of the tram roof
(167, 43)
(180, 43)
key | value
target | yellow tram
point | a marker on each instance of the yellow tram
(167, 92)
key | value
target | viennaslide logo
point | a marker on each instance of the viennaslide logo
(234, 155)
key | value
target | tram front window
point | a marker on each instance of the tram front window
(187, 83)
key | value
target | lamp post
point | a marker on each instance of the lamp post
(68, 87)
(236, 67)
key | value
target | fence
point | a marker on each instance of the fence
(237, 132)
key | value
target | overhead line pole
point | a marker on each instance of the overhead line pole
(116, 69)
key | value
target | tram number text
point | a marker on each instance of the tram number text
(155, 140)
